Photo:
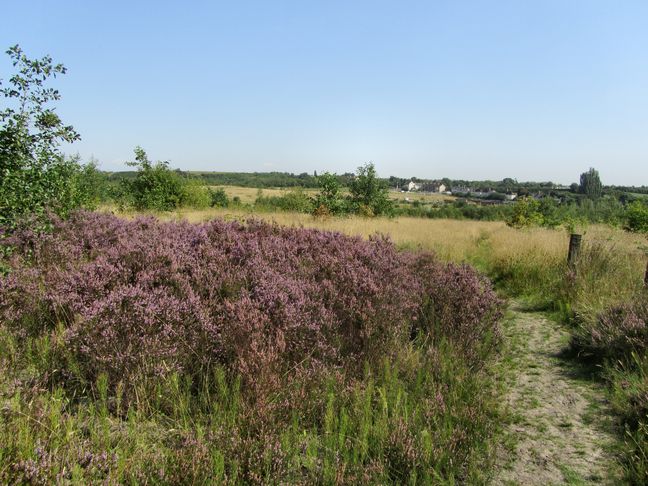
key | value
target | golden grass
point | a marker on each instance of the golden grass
(424, 197)
(249, 194)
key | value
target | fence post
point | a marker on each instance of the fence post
(646, 276)
(574, 249)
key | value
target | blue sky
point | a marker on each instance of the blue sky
(534, 90)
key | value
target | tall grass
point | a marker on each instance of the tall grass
(399, 424)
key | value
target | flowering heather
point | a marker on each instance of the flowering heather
(143, 299)
(616, 332)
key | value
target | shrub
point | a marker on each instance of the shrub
(91, 185)
(195, 194)
(617, 339)
(295, 200)
(329, 201)
(526, 212)
(218, 198)
(617, 332)
(369, 195)
(637, 217)
(155, 186)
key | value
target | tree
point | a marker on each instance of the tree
(35, 176)
(508, 184)
(526, 212)
(329, 200)
(590, 184)
(369, 195)
(155, 185)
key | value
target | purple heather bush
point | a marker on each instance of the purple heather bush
(141, 299)
(174, 353)
(617, 332)
(618, 337)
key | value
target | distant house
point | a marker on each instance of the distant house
(460, 190)
(510, 197)
(411, 186)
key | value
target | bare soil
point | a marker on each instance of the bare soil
(561, 430)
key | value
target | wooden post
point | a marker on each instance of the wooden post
(646, 276)
(574, 249)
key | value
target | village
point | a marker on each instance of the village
(484, 196)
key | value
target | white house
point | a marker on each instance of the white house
(412, 186)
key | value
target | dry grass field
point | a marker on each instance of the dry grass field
(249, 194)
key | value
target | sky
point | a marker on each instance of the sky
(465, 89)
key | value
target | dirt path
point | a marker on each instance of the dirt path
(561, 431)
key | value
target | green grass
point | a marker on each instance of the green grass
(571, 477)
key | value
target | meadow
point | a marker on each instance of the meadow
(486, 244)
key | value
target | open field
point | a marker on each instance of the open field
(304, 320)
(249, 194)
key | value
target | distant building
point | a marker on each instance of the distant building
(433, 187)
(460, 190)
(411, 186)
(510, 197)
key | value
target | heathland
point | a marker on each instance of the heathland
(161, 327)
(112, 372)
